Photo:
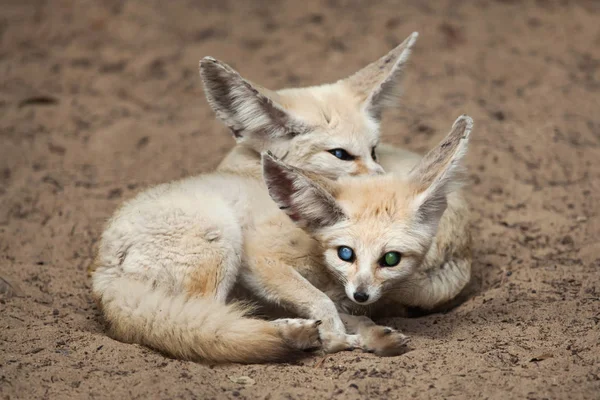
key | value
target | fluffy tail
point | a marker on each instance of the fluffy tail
(187, 328)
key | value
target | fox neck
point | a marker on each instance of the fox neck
(242, 160)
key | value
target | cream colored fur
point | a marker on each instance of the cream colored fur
(169, 258)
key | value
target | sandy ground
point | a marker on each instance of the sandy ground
(99, 99)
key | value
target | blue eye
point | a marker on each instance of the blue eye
(342, 154)
(345, 253)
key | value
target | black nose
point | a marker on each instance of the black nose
(361, 297)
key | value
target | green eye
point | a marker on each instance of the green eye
(390, 259)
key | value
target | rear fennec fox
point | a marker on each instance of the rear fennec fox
(170, 257)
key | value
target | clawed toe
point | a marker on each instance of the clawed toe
(302, 334)
(384, 341)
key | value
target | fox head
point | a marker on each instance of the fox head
(373, 230)
(331, 129)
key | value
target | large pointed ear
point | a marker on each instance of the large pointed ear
(247, 109)
(439, 173)
(306, 201)
(378, 85)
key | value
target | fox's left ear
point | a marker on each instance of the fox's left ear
(378, 85)
(439, 173)
(306, 201)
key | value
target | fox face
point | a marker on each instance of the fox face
(331, 130)
(379, 242)
(373, 231)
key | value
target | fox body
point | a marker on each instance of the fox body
(168, 259)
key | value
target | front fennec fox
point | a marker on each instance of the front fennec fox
(183, 241)
(360, 245)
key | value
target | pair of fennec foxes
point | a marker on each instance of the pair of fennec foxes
(299, 218)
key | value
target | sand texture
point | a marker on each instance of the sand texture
(99, 99)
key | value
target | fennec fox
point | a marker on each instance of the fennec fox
(174, 251)
(330, 129)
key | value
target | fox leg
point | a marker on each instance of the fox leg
(214, 269)
(281, 284)
(373, 338)
(204, 251)
(168, 240)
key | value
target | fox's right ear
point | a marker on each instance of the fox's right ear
(245, 108)
(379, 84)
(439, 173)
(310, 204)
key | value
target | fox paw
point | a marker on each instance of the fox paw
(302, 334)
(383, 341)
(334, 342)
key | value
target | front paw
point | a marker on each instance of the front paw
(302, 334)
(383, 341)
(334, 342)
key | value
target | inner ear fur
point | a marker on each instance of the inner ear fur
(246, 108)
(440, 171)
(308, 200)
(379, 84)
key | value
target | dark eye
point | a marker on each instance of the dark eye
(346, 253)
(373, 155)
(390, 259)
(342, 154)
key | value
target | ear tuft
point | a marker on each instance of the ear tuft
(463, 123)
